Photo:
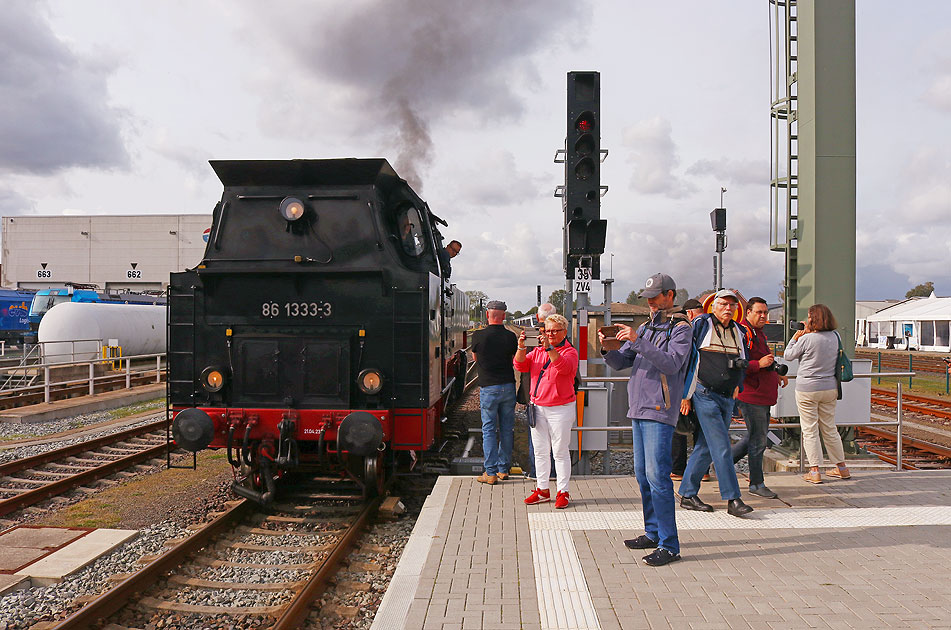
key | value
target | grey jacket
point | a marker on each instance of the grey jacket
(658, 354)
(817, 353)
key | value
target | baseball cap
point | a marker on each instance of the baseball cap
(496, 305)
(692, 303)
(657, 284)
(726, 293)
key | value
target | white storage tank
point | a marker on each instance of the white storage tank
(138, 328)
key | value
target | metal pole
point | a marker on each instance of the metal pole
(909, 369)
(879, 366)
(608, 283)
(128, 373)
(158, 368)
(92, 377)
(898, 431)
(46, 384)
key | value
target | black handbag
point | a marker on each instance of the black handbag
(530, 411)
(686, 423)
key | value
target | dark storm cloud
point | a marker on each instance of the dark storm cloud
(53, 113)
(13, 204)
(409, 63)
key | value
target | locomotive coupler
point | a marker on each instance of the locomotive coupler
(287, 450)
(246, 443)
(235, 462)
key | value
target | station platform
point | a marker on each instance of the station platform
(58, 409)
(33, 555)
(869, 552)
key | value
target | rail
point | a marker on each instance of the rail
(789, 425)
(47, 367)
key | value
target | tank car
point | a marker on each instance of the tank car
(318, 333)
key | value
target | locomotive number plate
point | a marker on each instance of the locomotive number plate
(296, 309)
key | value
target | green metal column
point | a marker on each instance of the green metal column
(825, 256)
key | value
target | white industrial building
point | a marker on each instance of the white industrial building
(916, 324)
(135, 252)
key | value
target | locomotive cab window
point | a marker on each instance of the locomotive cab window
(410, 231)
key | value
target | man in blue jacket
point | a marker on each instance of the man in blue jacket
(714, 379)
(657, 354)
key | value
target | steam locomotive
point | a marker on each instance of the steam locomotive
(318, 333)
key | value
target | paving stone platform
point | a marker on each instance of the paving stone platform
(870, 552)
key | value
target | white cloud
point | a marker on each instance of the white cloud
(735, 172)
(655, 159)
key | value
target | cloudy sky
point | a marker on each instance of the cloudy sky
(116, 107)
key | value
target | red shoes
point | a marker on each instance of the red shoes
(544, 496)
(539, 496)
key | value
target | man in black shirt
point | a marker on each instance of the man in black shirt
(493, 351)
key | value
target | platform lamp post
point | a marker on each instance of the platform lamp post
(718, 223)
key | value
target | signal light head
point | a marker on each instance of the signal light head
(292, 208)
(585, 122)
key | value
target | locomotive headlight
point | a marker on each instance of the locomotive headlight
(370, 381)
(212, 379)
(292, 208)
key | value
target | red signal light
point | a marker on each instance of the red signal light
(585, 125)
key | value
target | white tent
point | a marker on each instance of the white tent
(918, 324)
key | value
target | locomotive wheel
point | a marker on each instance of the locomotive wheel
(374, 474)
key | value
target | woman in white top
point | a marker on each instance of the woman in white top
(817, 348)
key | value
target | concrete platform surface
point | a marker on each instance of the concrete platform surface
(870, 552)
(51, 553)
(58, 409)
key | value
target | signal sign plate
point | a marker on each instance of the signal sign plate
(582, 279)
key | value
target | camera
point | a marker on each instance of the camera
(797, 326)
(946, 360)
(736, 363)
(780, 368)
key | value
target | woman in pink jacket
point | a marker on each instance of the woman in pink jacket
(552, 367)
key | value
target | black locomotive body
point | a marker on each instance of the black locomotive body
(318, 329)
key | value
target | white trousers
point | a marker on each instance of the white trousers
(817, 415)
(552, 432)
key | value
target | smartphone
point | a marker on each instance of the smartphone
(531, 337)
(797, 326)
(610, 342)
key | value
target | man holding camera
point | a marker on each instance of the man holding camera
(714, 376)
(763, 378)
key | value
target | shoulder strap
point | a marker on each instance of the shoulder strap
(540, 375)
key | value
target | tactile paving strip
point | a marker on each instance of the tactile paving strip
(564, 601)
(813, 518)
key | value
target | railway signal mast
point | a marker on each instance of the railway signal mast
(584, 229)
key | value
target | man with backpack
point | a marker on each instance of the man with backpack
(657, 354)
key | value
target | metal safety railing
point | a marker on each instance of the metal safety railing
(125, 366)
(790, 425)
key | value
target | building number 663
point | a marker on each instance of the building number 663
(296, 309)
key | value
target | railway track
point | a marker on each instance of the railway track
(924, 405)
(28, 481)
(898, 362)
(916, 454)
(241, 569)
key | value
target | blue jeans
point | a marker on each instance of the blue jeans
(497, 403)
(753, 442)
(652, 468)
(715, 412)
